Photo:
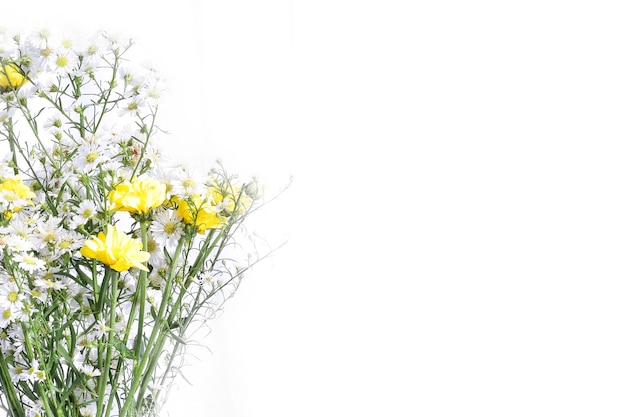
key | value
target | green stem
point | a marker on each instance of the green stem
(145, 144)
(159, 322)
(16, 409)
(141, 291)
(105, 369)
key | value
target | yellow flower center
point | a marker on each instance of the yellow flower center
(62, 61)
(92, 156)
(169, 228)
(87, 213)
(152, 245)
(7, 313)
(12, 297)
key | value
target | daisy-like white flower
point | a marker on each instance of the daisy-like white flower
(90, 155)
(65, 62)
(5, 115)
(7, 316)
(28, 262)
(47, 232)
(100, 329)
(89, 370)
(85, 211)
(54, 122)
(157, 257)
(39, 295)
(16, 243)
(34, 374)
(10, 295)
(66, 42)
(186, 182)
(8, 47)
(78, 106)
(5, 343)
(167, 229)
(18, 227)
(118, 131)
(93, 48)
(68, 241)
(16, 372)
(40, 38)
(152, 90)
(131, 106)
(46, 283)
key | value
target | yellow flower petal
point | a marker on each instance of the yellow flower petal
(10, 76)
(116, 249)
(139, 196)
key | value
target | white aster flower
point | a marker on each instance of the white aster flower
(16, 372)
(65, 62)
(157, 256)
(40, 38)
(85, 211)
(152, 90)
(8, 47)
(100, 329)
(10, 295)
(90, 155)
(33, 373)
(54, 122)
(167, 229)
(16, 243)
(28, 262)
(131, 106)
(45, 283)
(39, 295)
(7, 316)
(186, 182)
(47, 232)
(68, 241)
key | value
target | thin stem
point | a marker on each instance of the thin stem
(141, 291)
(106, 368)
(139, 369)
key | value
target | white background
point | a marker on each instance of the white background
(456, 223)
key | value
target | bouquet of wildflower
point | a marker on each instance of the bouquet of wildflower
(108, 253)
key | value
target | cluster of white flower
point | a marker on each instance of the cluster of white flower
(78, 120)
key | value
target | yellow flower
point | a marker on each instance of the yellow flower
(16, 193)
(198, 211)
(138, 196)
(116, 249)
(10, 76)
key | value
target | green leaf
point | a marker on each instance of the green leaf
(122, 348)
